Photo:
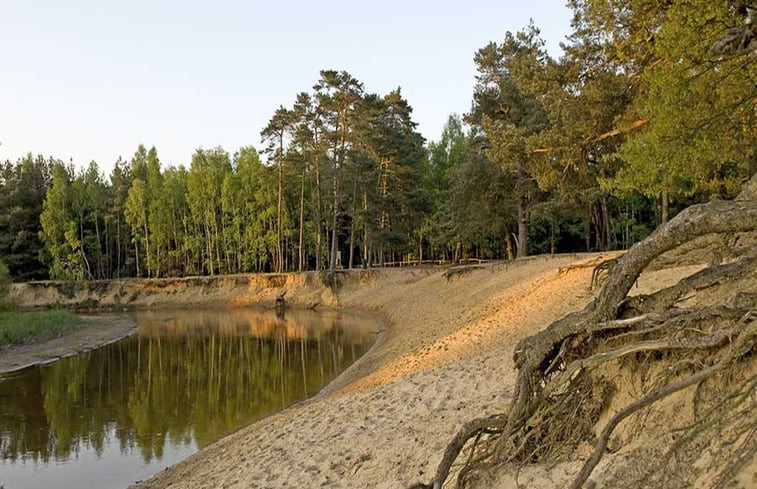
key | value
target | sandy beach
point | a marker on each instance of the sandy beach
(445, 357)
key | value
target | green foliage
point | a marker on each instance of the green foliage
(589, 151)
(5, 286)
(700, 138)
(60, 227)
(18, 328)
(22, 192)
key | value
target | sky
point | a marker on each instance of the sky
(91, 80)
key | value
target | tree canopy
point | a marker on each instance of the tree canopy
(639, 117)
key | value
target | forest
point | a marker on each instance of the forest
(640, 116)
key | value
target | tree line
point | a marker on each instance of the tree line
(637, 119)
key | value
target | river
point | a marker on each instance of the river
(121, 413)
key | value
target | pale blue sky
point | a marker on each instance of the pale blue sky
(92, 79)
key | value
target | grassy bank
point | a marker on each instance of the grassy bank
(31, 327)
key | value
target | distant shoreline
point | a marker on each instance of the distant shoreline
(100, 331)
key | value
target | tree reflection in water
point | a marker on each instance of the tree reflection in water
(187, 377)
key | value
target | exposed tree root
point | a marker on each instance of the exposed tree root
(561, 392)
(701, 280)
(744, 343)
(600, 272)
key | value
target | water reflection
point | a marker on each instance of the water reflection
(187, 379)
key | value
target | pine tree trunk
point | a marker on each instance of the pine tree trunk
(366, 252)
(552, 242)
(301, 251)
(587, 229)
(420, 249)
(318, 217)
(606, 236)
(664, 205)
(523, 217)
(334, 222)
(335, 219)
(279, 250)
(352, 225)
(118, 248)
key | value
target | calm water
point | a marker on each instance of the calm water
(118, 414)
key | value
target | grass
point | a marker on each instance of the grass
(17, 328)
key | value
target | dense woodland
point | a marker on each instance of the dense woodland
(639, 117)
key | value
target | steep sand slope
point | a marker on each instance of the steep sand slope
(446, 357)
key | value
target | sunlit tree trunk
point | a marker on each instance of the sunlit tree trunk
(300, 249)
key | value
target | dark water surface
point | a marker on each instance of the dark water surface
(121, 413)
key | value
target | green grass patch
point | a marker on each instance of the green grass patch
(18, 328)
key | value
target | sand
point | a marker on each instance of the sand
(445, 357)
(96, 332)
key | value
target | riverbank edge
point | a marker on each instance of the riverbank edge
(95, 333)
(303, 291)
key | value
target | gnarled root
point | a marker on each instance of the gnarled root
(560, 394)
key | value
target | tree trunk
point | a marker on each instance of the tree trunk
(606, 236)
(366, 253)
(334, 223)
(147, 246)
(352, 225)
(552, 239)
(523, 218)
(136, 255)
(279, 250)
(664, 205)
(587, 228)
(318, 217)
(118, 247)
(218, 240)
(108, 258)
(99, 267)
(420, 249)
(338, 163)
(301, 251)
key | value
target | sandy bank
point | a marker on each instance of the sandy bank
(304, 290)
(446, 357)
(99, 331)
